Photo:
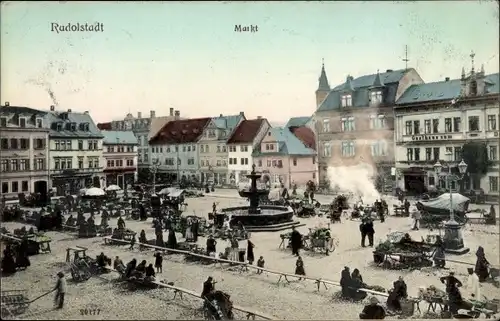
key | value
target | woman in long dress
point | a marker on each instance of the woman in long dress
(250, 256)
(482, 264)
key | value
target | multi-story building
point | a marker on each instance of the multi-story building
(240, 146)
(354, 121)
(143, 128)
(23, 151)
(75, 146)
(303, 129)
(120, 157)
(434, 120)
(174, 150)
(212, 148)
(284, 159)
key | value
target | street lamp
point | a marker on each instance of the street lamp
(154, 169)
(452, 237)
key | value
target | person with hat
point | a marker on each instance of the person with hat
(211, 244)
(61, 290)
(373, 310)
(454, 295)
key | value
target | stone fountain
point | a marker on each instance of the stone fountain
(256, 217)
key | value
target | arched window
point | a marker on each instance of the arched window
(473, 88)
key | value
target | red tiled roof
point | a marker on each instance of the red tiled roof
(104, 126)
(180, 131)
(306, 135)
(247, 130)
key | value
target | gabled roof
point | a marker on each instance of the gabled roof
(288, 144)
(305, 135)
(119, 137)
(297, 121)
(246, 132)
(361, 88)
(65, 117)
(158, 123)
(182, 131)
(104, 126)
(443, 90)
(13, 113)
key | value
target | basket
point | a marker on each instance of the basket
(407, 307)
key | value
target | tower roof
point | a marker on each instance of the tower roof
(323, 80)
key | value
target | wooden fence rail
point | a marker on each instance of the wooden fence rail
(245, 266)
(251, 314)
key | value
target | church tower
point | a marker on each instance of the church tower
(323, 86)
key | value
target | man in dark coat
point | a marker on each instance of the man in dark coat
(454, 295)
(362, 230)
(296, 240)
(211, 244)
(370, 231)
(142, 213)
(406, 205)
(172, 239)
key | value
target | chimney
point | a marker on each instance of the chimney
(177, 114)
(221, 115)
(259, 117)
(69, 110)
(139, 114)
(171, 111)
(242, 113)
(447, 79)
(52, 108)
(86, 112)
(7, 104)
(152, 114)
(389, 70)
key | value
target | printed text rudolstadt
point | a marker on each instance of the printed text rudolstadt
(77, 27)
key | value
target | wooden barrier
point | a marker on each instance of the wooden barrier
(245, 266)
(177, 290)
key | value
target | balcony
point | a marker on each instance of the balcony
(76, 171)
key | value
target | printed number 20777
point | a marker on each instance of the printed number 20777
(90, 311)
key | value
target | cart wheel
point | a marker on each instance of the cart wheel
(330, 246)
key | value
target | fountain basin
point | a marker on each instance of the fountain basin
(270, 218)
(247, 193)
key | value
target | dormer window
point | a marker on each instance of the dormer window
(3, 122)
(87, 127)
(375, 98)
(73, 127)
(39, 123)
(59, 127)
(68, 126)
(346, 101)
(473, 88)
(22, 122)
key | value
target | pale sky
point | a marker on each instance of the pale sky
(153, 56)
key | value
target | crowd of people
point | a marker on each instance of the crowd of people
(15, 257)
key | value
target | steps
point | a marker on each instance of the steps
(274, 227)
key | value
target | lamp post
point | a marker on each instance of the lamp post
(452, 234)
(154, 169)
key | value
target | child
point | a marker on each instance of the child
(260, 263)
(158, 262)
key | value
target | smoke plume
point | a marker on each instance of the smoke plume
(356, 179)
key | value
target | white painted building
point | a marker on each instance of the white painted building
(75, 151)
(240, 146)
(174, 151)
(434, 120)
(121, 157)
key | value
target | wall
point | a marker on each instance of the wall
(236, 168)
(175, 152)
(74, 153)
(32, 175)
(304, 171)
